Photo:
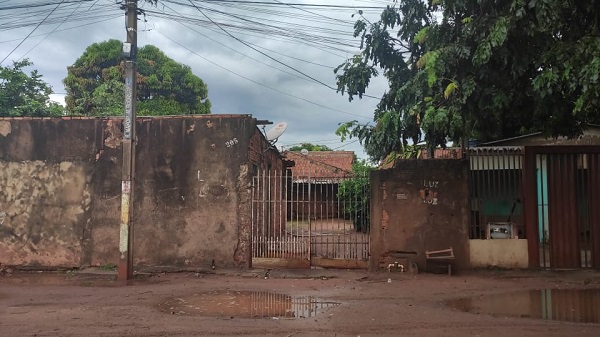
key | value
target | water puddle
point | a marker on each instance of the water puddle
(572, 305)
(245, 304)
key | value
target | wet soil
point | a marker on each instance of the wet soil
(572, 305)
(288, 303)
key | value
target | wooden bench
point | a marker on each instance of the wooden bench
(439, 261)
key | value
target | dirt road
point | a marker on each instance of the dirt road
(322, 303)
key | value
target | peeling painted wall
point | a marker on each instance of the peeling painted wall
(45, 206)
(60, 189)
(420, 205)
(506, 253)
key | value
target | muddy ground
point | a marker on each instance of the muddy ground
(347, 303)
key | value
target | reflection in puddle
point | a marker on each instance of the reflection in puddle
(246, 304)
(572, 305)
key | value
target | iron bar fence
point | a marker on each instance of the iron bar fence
(302, 215)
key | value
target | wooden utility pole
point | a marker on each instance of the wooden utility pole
(126, 227)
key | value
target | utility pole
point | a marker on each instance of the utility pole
(126, 227)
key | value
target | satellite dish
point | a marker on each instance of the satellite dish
(304, 151)
(276, 131)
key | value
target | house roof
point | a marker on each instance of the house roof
(590, 136)
(321, 164)
(391, 160)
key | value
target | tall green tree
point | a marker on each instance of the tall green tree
(23, 94)
(483, 69)
(310, 147)
(95, 86)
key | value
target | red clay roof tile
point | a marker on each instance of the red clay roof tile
(321, 163)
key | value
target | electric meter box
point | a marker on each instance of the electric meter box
(127, 49)
(500, 230)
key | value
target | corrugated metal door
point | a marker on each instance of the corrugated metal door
(563, 218)
(563, 182)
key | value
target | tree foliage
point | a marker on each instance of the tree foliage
(310, 147)
(23, 94)
(483, 69)
(95, 83)
(356, 196)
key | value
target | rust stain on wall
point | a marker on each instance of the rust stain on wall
(385, 219)
(112, 134)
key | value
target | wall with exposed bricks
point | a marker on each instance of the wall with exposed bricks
(419, 206)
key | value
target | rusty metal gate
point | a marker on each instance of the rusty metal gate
(562, 195)
(545, 194)
(299, 220)
(496, 191)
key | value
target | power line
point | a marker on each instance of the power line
(235, 50)
(65, 29)
(251, 47)
(53, 30)
(268, 56)
(349, 143)
(272, 27)
(293, 4)
(256, 17)
(258, 83)
(302, 9)
(28, 35)
(256, 30)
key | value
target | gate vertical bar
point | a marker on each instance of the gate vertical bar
(594, 210)
(583, 218)
(565, 249)
(555, 217)
(530, 206)
(310, 239)
(543, 195)
(252, 221)
(264, 231)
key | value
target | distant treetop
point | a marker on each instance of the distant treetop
(310, 147)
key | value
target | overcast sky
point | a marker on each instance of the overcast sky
(297, 38)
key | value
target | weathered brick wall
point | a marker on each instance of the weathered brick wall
(267, 170)
(420, 205)
(60, 189)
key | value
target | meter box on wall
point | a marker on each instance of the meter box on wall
(500, 230)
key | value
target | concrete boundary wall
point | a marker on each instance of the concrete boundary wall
(60, 190)
(501, 253)
(419, 206)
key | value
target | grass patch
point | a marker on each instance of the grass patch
(294, 225)
(108, 267)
